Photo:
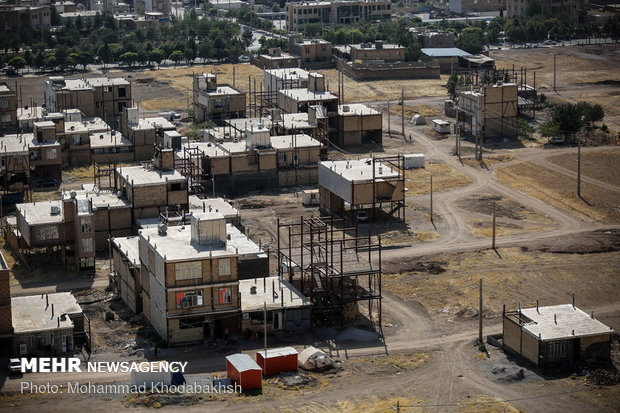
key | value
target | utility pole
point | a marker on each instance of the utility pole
(457, 133)
(402, 111)
(480, 316)
(554, 56)
(493, 225)
(389, 122)
(432, 198)
(579, 167)
(265, 335)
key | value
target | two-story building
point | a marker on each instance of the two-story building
(215, 102)
(190, 288)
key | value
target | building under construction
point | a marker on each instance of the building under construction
(332, 266)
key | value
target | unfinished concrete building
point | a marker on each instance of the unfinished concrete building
(488, 111)
(189, 279)
(65, 226)
(14, 167)
(61, 94)
(126, 258)
(260, 161)
(6, 319)
(332, 266)
(275, 58)
(101, 96)
(299, 99)
(47, 324)
(153, 188)
(555, 336)
(362, 184)
(216, 102)
(356, 124)
(286, 307)
(111, 96)
(144, 133)
(8, 106)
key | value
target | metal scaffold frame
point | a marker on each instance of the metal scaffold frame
(331, 265)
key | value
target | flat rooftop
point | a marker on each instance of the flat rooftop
(221, 91)
(13, 144)
(444, 52)
(210, 149)
(294, 141)
(286, 295)
(95, 124)
(32, 313)
(176, 244)
(33, 112)
(106, 81)
(76, 84)
(129, 247)
(40, 213)
(306, 95)
(157, 122)
(213, 204)
(372, 46)
(297, 121)
(101, 199)
(281, 56)
(359, 170)
(221, 133)
(45, 124)
(109, 139)
(143, 176)
(356, 109)
(247, 123)
(558, 322)
(289, 73)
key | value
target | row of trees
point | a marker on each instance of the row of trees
(83, 41)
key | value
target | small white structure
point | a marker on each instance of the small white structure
(414, 160)
(441, 126)
(310, 197)
(418, 119)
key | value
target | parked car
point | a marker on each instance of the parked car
(175, 115)
(549, 42)
(15, 366)
(361, 216)
(556, 140)
(244, 59)
(48, 183)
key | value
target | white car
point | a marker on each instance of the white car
(15, 366)
(361, 216)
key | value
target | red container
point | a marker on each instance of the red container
(241, 369)
(279, 360)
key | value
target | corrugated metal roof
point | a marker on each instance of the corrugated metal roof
(444, 52)
(278, 352)
(242, 362)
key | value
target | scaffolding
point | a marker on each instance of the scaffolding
(331, 265)
(194, 165)
(103, 172)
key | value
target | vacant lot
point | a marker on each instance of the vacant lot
(448, 285)
(603, 166)
(445, 178)
(598, 204)
(587, 73)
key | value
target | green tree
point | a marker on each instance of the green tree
(85, 58)
(568, 118)
(471, 40)
(533, 8)
(18, 63)
(451, 85)
(157, 56)
(413, 52)
(129, 58)
(590, 113)
(275, 8)
(189, 55)
(141, 11)
(176, 56)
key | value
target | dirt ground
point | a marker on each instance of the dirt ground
(598, 204)
(445, 178)
(587, 73)
(602, 166)
(448, 285)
